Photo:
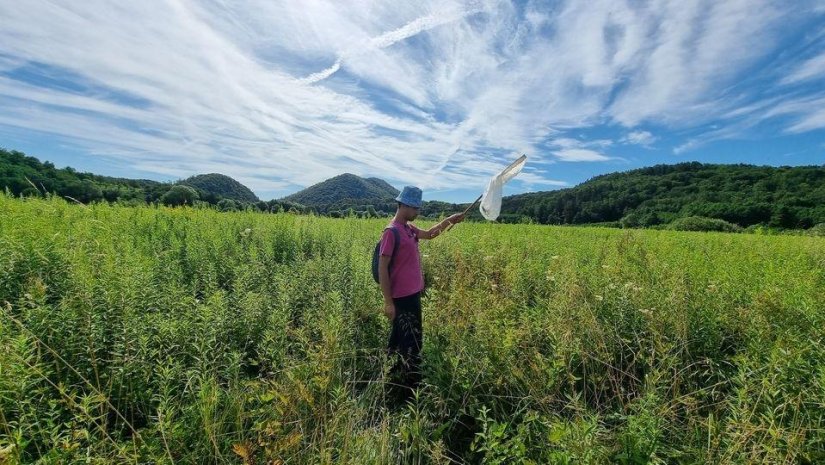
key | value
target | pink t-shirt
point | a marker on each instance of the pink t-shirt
(406, 276)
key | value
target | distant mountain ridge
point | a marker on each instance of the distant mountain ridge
(784, 197)
(222, 186)
(746, 195)
(348, 193)
(25, 175)
(344, 188)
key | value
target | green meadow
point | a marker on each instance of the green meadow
(159, 335)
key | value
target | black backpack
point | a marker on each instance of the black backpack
(377, 252)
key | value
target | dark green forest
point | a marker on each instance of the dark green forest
(694, 193)
(222, 185)
(349, 194)
(24, 175)
(345, 191)
(27, 176)
(782, 197)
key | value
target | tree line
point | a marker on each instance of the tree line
(22, 175)
(745, 195)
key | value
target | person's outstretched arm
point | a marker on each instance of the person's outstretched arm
(441, 227)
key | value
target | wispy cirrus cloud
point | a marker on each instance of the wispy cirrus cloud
(643, 138)
(580, 155)
(448, 15)
(576, 150)
(807, 113)
(813, 68)
(441, 93)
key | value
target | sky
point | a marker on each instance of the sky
(439, 94)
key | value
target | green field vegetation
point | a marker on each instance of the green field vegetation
(159, 335)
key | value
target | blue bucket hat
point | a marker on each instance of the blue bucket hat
(410, 196)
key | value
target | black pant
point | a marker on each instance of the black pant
(406, 339)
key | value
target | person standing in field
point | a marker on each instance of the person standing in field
(402, 280)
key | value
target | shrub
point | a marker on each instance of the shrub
(179, 195)
(154, 335)
(228, 205)
(701, 223)
(640, 219)
(817, 230)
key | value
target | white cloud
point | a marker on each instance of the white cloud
(431, 92)
(811, 121)
(534, 179)
(574, 150)
(811, 69)
(686, 147)
(413, 28)
(643, 138)
(806, 113)
(809, 113)
(580, 155)
(695, 50)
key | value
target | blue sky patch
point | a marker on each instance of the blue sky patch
(440, 94)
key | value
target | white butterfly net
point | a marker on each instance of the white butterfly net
(491, 201)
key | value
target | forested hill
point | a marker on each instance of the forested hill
(221, 185)
(786, 197)
(347, 194)
(24, 175)
(345, 188)
(781, 197)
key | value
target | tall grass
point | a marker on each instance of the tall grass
(144, 334)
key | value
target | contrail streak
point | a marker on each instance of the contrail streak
(321, 75)
(411, 29)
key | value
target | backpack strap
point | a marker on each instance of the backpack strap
(394, 246)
